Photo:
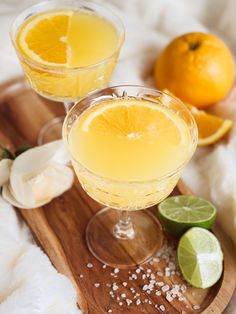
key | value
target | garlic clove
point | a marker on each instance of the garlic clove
(36, 178)
(55, 180)
(26, 167)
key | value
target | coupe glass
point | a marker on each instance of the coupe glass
(65, 84)
(123, 234)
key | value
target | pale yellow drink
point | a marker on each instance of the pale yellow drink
(122, 149)
(68, 53)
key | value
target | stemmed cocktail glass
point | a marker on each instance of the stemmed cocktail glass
(128, 146)
(91, 59)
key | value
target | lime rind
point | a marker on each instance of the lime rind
(182, 208)
(202, 267)
(179, 213)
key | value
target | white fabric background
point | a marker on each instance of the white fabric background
(150, 24)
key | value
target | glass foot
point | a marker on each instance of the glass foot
(112, 250)
(51, 131)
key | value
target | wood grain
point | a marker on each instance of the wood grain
(59, 227)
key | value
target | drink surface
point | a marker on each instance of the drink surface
(65, 40)
(130, 140)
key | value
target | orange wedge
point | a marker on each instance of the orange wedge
(210, 127)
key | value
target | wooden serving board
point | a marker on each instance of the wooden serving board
(59, 228)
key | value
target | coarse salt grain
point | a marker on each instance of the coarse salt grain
(169, 298)
(149, 270)
(165, 288)
(104, 266)
(128, 301)
(120, 303)
(181, 298)
(109, 311)
(183, 288)
(138, 301)
(124, 284)
(143, 276)
(145, 287)
(116, 270)
(81, 275)
(153, 276)
(138, 270)
(162, 308)
(160, 283)
(115, 287)
(134, 276)
(123, 295)
(97, 285)
(158, 293)
(90, 265)
(196, 307)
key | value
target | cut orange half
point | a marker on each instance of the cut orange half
(211, 128)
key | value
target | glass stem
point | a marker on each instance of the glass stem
(68, 105)
(124, 228)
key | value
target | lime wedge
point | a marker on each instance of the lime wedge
(200, 257)
(179, 213)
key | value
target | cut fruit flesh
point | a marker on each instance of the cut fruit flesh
(200, 257)
(211, 128)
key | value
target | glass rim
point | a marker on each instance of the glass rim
(85, 4)
(92, 97)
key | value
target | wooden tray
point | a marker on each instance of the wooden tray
(59, 228)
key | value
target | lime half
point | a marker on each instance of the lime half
(200, 257)
(179, 213)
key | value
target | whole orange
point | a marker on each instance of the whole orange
(196, 67)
